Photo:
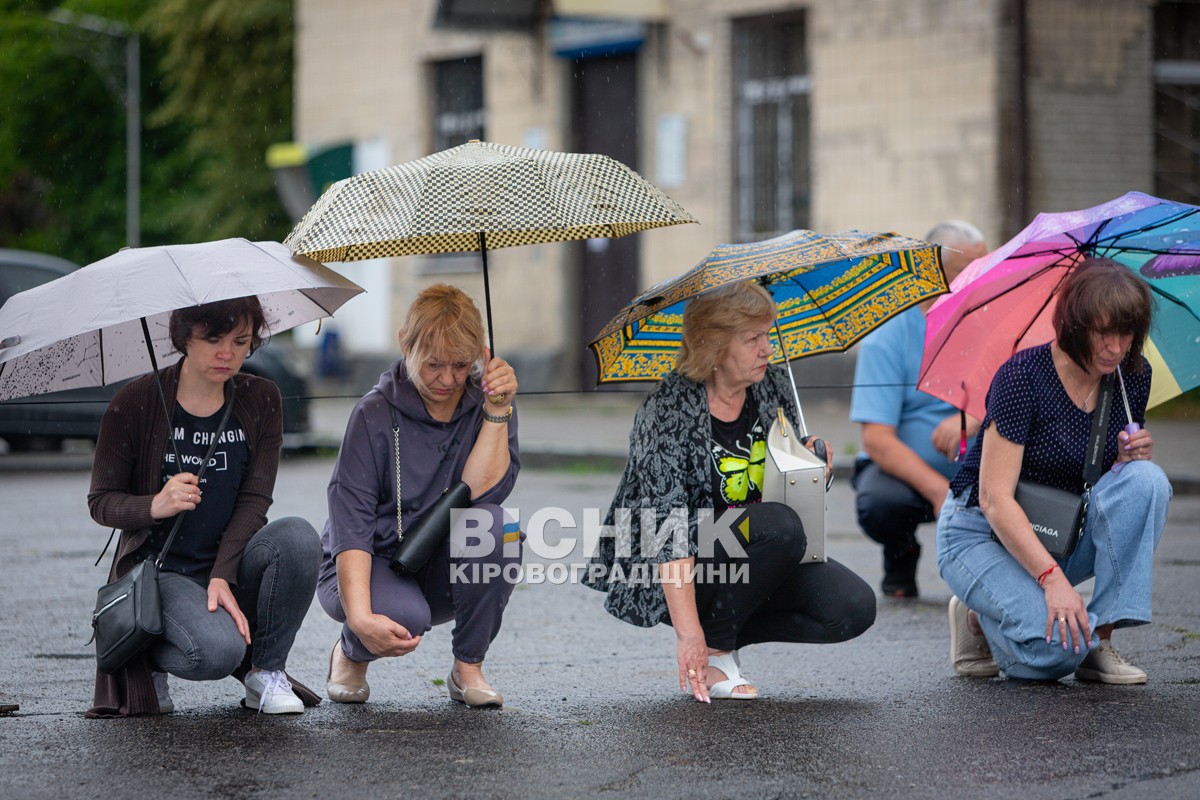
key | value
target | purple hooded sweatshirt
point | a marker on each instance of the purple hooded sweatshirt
(362, 490)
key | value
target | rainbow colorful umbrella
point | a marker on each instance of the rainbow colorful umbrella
(1004, 301)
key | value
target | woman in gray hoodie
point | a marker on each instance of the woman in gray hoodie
(448, 403)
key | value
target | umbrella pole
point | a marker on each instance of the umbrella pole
(787, 364)
(161, 396)
(487, 294)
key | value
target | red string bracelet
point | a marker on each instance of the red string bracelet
(1041, 579)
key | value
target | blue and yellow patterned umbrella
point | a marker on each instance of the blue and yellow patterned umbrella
(829, 290)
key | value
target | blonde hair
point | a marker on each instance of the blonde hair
(442, 323)
(711, 320)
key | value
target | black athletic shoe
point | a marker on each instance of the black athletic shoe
(900, 573)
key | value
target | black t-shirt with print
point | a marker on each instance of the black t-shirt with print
(194, 550)
(737, 452)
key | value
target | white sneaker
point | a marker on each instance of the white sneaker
(1106, 665)
(165, 704)
(271, 693)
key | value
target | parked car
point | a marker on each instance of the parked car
(45, 421)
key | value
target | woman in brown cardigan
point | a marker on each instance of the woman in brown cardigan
(144, 476)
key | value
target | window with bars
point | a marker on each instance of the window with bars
(1177, 100)
(771, 90)
(458, 98)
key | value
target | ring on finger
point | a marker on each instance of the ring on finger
(691, 673)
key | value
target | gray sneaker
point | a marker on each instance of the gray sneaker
(1106, 665)
(165, 704)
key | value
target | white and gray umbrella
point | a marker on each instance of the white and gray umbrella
(85, 329)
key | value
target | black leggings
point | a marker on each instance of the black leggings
(782, 601)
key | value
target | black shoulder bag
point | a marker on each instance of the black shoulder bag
(423, 539)
(128, 615)
(1058, 516)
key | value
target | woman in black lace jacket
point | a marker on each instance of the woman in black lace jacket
(699, 442)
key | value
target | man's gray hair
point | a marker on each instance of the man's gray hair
(954, 233)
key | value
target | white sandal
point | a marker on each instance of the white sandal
(724, 690)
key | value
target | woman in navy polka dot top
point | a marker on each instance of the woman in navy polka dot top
(1015, 606)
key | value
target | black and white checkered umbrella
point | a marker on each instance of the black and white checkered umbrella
(478, 196)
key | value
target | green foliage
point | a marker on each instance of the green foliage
(215, 92)
(228, 71)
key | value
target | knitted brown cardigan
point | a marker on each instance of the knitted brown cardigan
(127, 473)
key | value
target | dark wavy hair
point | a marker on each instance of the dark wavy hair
(1102, 296)
(217, 319)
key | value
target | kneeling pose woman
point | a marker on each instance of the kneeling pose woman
(698, 442)
(1015, 607)
(230, 579)
(442, 413)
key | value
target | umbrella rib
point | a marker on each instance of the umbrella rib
(1171, 220)
(1174, 300)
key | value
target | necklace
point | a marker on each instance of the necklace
(1084, 405)
(1088, 399)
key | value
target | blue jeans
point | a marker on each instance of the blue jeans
(277, 577)
(1124, 523)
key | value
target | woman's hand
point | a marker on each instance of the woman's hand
(499, 383)
(1065, 612)
(691, 652)
(180, 493)
(820, 449)
(383, 636)
(221, 596)
(1136, 446)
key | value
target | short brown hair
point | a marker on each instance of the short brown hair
(1102, 296)
(443, 322)
(711, 320)
(217, 319)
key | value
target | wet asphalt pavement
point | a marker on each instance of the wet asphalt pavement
(593, 708)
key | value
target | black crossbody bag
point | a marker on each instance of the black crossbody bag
(1058, 516)
(128, 615)
(423, 539)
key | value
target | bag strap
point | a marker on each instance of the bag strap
(199, 475)
(162, 397)
(396, 452)
(1096, 439)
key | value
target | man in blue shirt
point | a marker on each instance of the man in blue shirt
(910, 439)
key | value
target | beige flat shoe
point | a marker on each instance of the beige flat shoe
(969, 651)
(347, 680)
(475, 698)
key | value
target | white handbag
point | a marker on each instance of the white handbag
(794, 476)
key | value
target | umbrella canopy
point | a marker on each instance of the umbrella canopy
(829, 290)
(477, 196)
(1004, 302)
(85, 329)
(513, 195)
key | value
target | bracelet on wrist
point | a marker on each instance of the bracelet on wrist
(498, 418)
(1041, 579)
